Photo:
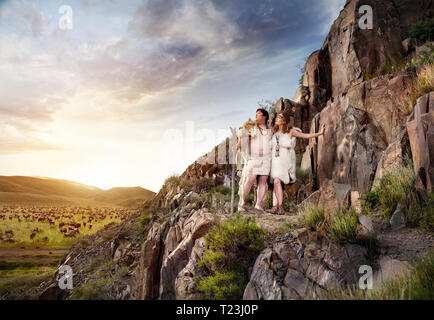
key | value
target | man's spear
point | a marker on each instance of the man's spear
(232, 161)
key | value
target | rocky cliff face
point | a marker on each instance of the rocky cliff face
(367, 134)
(350, 53)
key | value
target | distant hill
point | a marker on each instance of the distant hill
(24, 190)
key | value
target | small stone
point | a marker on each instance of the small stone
(366, 222)
(397, 221)
(298, 232)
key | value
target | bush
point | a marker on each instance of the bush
(227, 285)
(143, 221)
(95, 290)
(202, 185)
(288, 204)
(393, 190)
(106, 278)
(423, 30)
(200, 200)
(342, 226)
(237, 237)
(222, 190)
(423, 84)
(395, 64)
(420, 212)
(397, 188)
(268, 201)
(186, 185)
(313, 216)
(250, 200)
(173, 180)
(231, 248)
(371, 200)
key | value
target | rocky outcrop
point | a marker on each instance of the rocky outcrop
(349, 54)
(420, 129)
(303, 267)
(169, 256)
(300, 114)
(365, 135)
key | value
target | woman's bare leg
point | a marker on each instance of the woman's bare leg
(278, 191)
(262, 190)
(275, 202)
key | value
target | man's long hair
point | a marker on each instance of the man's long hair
(265, 114)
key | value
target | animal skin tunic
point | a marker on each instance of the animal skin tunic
(283, 167)
(260, 164)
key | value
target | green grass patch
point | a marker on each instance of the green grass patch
(226, 285)
(397, 189)
(415, 285)
(392, 191)
(222, 190)
(143, 221)
(313, 216)
(423, 30)
(105, 278)
(342, 226)
(18, 279)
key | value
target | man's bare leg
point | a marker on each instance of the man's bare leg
(247, 187)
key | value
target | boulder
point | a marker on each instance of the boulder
(146, 283)
(313, 199)
(335, 196)
(195, 227)
(349, 53)
(397, 221)
(360, 128)
(185, 285)
(317, 78)
(389, 268)
(366, 222)
(392, 158)
(303, 268)
(301, 95)
(420, 128)
(410, 45)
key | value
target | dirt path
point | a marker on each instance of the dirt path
(402, 244)
(32, 255)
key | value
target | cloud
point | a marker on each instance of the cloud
(23, 144)
(331, 9)
(87, 4)
(30, 19)
(196, 36)
(167, 46)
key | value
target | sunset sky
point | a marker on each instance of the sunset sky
(96, 103)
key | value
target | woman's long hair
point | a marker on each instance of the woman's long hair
(286, 127)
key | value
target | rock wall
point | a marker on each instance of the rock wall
(420, 127)
(350, 53)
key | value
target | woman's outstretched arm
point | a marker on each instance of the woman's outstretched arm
(297, 134)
